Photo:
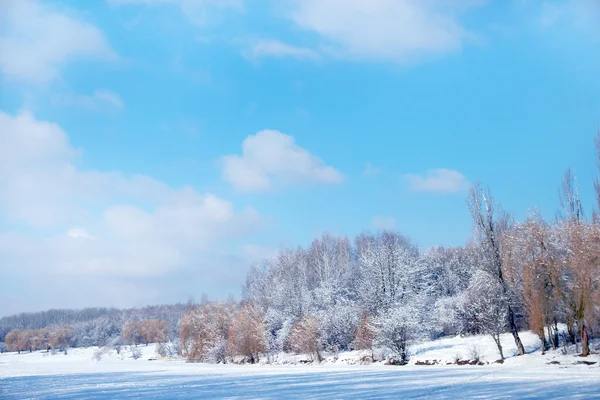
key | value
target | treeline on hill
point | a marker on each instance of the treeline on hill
(379, 291)
(60, 329)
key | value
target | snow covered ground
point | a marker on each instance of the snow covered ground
(79, 374)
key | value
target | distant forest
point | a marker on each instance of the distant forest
(375, 291)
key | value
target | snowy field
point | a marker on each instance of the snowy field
(79, 374)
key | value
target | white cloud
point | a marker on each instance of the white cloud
(386, 223)
(100, 99)
(37, 39)
(79, 233)
(195, 10)
(389, 30)
(438, 180)
(116, 225)
(271, 158)
(275, 48)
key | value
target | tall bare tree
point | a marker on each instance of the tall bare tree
(568, 194)
(490, 222)
(597, 180)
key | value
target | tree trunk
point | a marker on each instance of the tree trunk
(497, 340)
(555, 335)
(515, 331)
(571, 332)
(542, 336)
(585, 344)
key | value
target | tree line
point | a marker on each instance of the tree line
(380, 290)
(92, 327)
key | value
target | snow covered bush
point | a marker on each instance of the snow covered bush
(135, 353)
(397, 328)
(168, 349)
(447, 315)
(485, 303)
(338, 326)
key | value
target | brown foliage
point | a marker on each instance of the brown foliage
(364, 334)
(529, 257)
(584, 263)
(246, 334)
(145, 331)
(203, 330)
(13, 340)
(36, 339)
(60, 336)
(305, 337)
(131, 333)
(597, 181)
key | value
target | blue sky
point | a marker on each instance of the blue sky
(155, 149)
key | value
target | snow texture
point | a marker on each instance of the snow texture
(79, 374)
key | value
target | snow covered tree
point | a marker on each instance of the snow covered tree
(388, 268)
(396, 328)
(338, 324)
(486, 303)
(490, 223)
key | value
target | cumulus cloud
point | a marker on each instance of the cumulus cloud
(270, 159)
(79, 233)
(76, 222)
(438, 180)
(388, 30)
(37, 39)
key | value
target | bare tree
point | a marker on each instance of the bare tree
(13, 340)
(569, 198)
(490, 222)
(132, 333)
(597, 180)
(246, 334)
(153, 330)
(60, 337)
(305, 337)
(584, 262)
(364, 334)
(529, 252)
(204, 331)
